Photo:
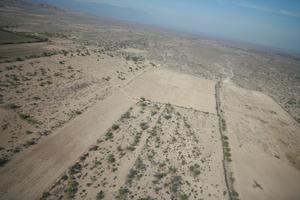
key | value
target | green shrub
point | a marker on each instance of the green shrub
(100, 195)
(111, 158)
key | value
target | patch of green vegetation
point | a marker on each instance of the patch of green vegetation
(160, 175)
(137, 139)
(64, 177)
(78, 112)
(235, 194)
(12, 106)
(126, 115)
(19, 59)
(194, 169)
(144, 125)
(183, 197)
(122, 193)
(153, 112)
(225, 137)
(76, 168)
(130, 148)
(167, 117)
(28, 118)
(72, 189)
(144, 104)
(224, 127)
(226, 144)
(111, 158)
(45, 195)
(109, 135)
(100, 195)
(94, 148)
(176, 182)
(146, 198)
(132, 173)
(140, 165)
(226, 151)
(172, 169)
(3, 161)
(30, 142)
(115, 127)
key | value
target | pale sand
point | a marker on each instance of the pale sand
(264, 141)
(33, 171)
(167, 86)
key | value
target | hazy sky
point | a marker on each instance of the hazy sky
(267, 22)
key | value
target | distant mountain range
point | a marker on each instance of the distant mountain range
(101, 9)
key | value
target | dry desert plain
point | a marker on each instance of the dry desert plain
(94, 108)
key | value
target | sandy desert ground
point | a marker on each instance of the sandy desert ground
(94, 108)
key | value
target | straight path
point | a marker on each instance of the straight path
(33, 171)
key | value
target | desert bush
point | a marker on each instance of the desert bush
(115, 127)
(126, 115)
(167, 117)
(72, 189)
(176, 182)
(12, 106)
(19, 59)
(195, 170)
(111, 158)
(75, 169)
(144, 125)
(3, 161)
(109, 135)
(122, 193)
(100, 195)
(30, 142)
(183, 197)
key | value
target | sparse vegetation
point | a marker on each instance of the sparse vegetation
(176, 182)
(167, 117)
(144, 125)
(111, 158)
(195, 170)
(100, 195)
(109, 135)
(3, 161)
(12, 106)
(115, 127)
(72, 189)
(122, 193)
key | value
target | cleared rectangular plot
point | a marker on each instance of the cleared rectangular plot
(179, 89)
(264, 141)
(157, 152)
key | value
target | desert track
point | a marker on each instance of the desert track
(32, 172)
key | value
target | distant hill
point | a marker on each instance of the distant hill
(101, 9)
(4, 3)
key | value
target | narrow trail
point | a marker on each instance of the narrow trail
(227, 174)
(33, 171)
(226, 69)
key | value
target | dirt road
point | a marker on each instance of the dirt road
(32, 172)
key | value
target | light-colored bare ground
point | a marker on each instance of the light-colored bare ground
(40, 165)
(264, 141)
(179, 89)
(156, 152)
(39, 95)
(33, 171)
